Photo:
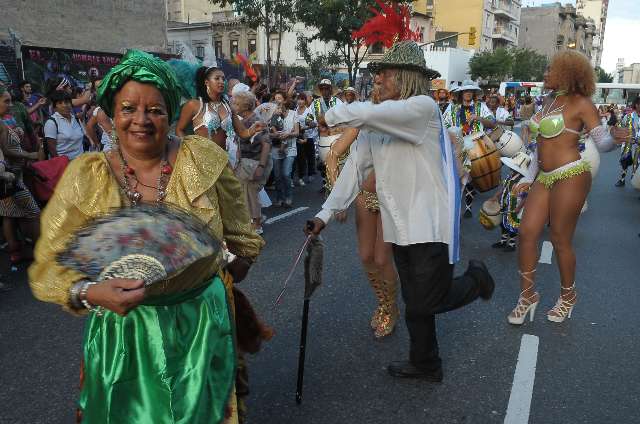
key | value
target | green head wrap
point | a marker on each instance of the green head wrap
(144, 68)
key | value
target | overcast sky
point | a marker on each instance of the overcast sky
(621, 32)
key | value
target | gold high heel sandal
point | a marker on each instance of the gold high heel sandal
(563, 307)
(525, 304)
(390, 313)
(376, 283)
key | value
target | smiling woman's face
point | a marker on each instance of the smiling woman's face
(141, 119)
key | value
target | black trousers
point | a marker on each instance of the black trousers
(306, 159)
(428, 288)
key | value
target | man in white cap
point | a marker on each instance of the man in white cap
(419, 194)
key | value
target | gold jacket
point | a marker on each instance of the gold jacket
(201, 182)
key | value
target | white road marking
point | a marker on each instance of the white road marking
(546, 253)
(285, 215)
(522, 390)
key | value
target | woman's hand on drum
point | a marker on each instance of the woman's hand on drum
(119, 295)
(521, 188)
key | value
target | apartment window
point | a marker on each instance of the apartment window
(252, 46)
(233, 48)
(218, 48)
(377, 48)
(200, 51)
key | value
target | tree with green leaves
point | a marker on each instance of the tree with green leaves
(528, 65)
(491, 66)
(335, 20)
(319, 63)
(274, 16)
(602, 75)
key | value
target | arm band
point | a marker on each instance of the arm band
(602, 138)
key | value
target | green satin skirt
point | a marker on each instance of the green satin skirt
(170, 360)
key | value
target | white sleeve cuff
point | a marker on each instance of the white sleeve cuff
(325, 216)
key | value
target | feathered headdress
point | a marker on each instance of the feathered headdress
(389, 25)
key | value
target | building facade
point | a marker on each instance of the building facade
(619, 75)
(94, 25)
(597, 11)
(553, 27)
(193, 10)
(631, 74)
(497, 22)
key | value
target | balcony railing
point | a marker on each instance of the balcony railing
(505, 33)
(505, 10)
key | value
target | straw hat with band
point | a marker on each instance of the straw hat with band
(404, 55)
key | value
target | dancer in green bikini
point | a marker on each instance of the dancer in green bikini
(558, 189)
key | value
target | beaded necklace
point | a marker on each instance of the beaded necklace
(132, 193)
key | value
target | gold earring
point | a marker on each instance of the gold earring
(114, 138)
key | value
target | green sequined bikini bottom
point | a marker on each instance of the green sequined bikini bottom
(570, 170)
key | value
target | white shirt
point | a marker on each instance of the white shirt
(291, 149)
(302, 118)
(355, 171)
(413, 184)
(69, 135)
(502, 114)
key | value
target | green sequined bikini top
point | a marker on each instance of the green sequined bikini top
(549, 123)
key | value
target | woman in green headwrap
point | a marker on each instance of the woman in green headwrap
(161, 353)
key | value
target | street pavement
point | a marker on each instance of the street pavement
(585, 369)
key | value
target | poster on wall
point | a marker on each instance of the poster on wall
(79, 67)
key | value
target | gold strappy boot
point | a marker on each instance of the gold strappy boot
(390, 313)
(375, 280)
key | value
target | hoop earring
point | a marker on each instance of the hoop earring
(114, 138)
(208, 91)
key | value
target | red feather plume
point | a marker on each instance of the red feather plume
(389, 24)
(248, 68)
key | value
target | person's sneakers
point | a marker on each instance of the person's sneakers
(405, 369)
(486, 285)
(620, 183)
(259, 231)
(287, 203)
(301, 182)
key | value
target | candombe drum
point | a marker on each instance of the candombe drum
(485, 162)
(496, 134)
(324, 145)
(590, 154)
(509, 144)
(490, 215)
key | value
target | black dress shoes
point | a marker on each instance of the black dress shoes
(405, 369)
(480, 272)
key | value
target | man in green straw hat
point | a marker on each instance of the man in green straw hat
(419, 193)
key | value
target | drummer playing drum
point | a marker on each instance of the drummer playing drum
(470, 116)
